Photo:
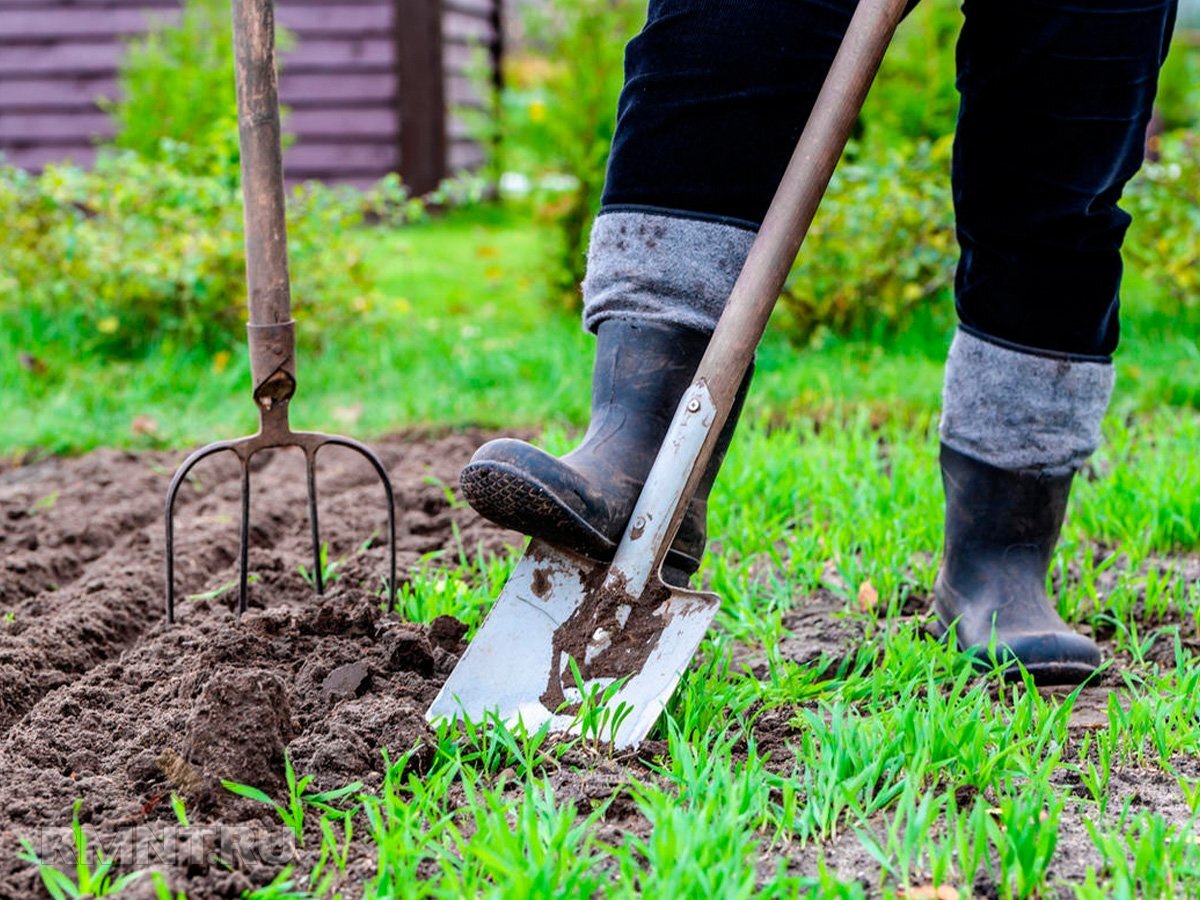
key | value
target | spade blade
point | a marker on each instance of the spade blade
(556, 607)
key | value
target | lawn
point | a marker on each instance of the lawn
(821, 742)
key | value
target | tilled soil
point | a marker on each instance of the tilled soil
(101, 699)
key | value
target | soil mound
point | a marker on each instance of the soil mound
(100, 699)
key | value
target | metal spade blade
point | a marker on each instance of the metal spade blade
(556, 607)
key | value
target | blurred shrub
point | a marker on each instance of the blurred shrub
(558, 107)
(1164, 199)
(881, 246)
(1179, 87)
(914, 97)
(138, 252)
(559, 112)
(177, 94)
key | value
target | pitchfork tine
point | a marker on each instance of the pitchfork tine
(172, 493)
(380, 470)
(310, 462)
(244, 538)
(270, 328)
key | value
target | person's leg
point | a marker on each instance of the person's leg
(1056, 97)
(715, 96)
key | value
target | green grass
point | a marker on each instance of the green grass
(464, 334)
(895, 751)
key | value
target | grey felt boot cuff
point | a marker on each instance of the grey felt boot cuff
(1021, 410)
(661, 267)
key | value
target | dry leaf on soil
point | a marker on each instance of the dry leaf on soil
(868, 597)
(929, 892)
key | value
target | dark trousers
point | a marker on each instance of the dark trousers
(1056, 97)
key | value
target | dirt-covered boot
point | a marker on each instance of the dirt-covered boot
(583, 500)
(1001, 529)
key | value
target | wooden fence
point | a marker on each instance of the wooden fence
(371, 84)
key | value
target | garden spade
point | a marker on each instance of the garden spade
(568, 634)
(271, 329)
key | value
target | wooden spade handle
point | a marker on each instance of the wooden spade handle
(838, 104)
(677, 471)
(741, 326)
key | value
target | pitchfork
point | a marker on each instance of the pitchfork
(271, 329)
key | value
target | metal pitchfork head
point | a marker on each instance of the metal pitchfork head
(271, 329)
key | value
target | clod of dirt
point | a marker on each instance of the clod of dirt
(350, 614)
(345, 682)
(409, 650)
(447, 632)
(238, 729)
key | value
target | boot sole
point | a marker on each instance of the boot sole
(1044, 674)
(512, 498)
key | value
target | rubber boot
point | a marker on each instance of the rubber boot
(583, 500)
(1001, 529)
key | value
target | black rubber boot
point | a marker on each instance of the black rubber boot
(582, 501)
(1001, 528)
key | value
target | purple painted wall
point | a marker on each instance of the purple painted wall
(341, 81)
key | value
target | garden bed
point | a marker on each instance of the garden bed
(101, 699)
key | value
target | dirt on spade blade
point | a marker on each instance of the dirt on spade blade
(100, 699)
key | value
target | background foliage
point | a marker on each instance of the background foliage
(146, 247)
(1164, 239)
(138, 251)
(560, 114)
(177, 88)
(857, 275)
(914, 97)
(1179, 85)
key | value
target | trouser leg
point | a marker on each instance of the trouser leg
(1056, 97)
(716, 95)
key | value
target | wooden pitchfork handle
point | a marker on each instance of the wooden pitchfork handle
(271, 328)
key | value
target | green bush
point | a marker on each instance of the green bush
(914, 97)
(1164, 240)
(881, 246)
(558, 109)
(883, 243)
(176, 90)
(137, 252)
(1179, 87)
